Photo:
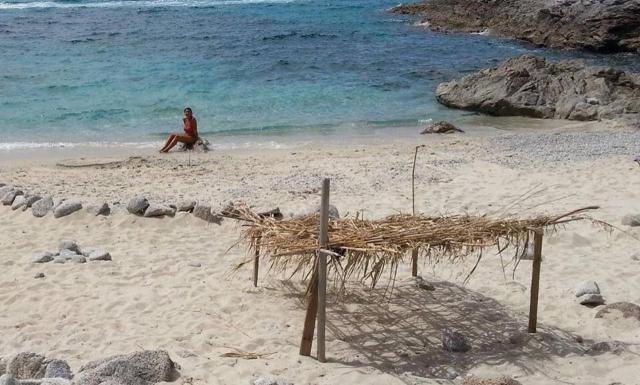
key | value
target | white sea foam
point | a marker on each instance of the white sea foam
(137, 4)
(226, 145)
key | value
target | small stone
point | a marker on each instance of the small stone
(453, 341)
(626, 309)
(9, 197)
(195, 264)
(78, 259)
(97, 210)
(587, 287)
(632, 220)
(591, 299)
(65, 208)
(156, 210)
(137, 205)
(18, 202)
(42, 257)
(41, 207)
(58, 369)
(68, 244)
(38, 275)
(424, 285)
(186, 205)
(473, 380)
(5, 189)
(100, 255)
(203, 211)
(30, 200)
(67, 254)
(452, 373)
(59, 259)
(269, 381)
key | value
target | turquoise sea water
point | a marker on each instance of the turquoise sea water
(122, 71)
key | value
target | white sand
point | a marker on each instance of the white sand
(149, 297)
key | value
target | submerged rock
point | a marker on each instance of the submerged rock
(531, 86)
(603, 26)
(65, 208)
(441, 128)
(41, 207)
(137, 205)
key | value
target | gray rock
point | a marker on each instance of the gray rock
(100, 255)
(591, 299)
(203, 211)
(42, 257)
(531, 86)
(3, 361)
(78, 259)
(5, 189)
(269, 381)
(452, 373)
(58, 369)
(587, 287)
(69, 244)
(55, 381)
(65, 208)
(156, 210)
(6, 379)
(18, 202)
(38, 275)
(102, 209)
(186, 205)
(9, 197)
(626, 309)
(453, 341)
(194, 264)
(41, 207)
(60, 260)
(141, 368)
(30, 200)
(333, 212)
(67, 254)
(632, 220)
(26, 365)
(603, 26)
(137, 205)
(441, 127)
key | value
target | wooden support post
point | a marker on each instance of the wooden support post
(535, 280)
(322, 269)
(414, 262)
(256, 263)
(312, 290)
(414, 252)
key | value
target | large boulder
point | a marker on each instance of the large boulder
(41, 207)
(603, 25)
(65, 208)
(137, 205)
(141, 368)
(531, 86)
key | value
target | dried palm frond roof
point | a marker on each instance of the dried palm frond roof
(365, 248)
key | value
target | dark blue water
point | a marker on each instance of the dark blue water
(80, 71)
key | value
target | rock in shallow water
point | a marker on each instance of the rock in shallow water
(41, 207)
(65, 208)
(531, 86)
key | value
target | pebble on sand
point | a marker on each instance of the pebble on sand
(100, 255)
(42, 257)
(632, 220)
(453, 341)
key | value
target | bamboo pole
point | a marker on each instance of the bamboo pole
(414, 252)
(322, 269)
(256, 263)
(535, 280)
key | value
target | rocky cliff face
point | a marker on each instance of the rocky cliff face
(531, 86)
(596, 25)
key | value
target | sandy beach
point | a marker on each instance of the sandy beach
(172, 285)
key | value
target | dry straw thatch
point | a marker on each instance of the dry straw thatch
(364, 249)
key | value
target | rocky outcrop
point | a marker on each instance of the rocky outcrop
(531, 86)
(596, 25)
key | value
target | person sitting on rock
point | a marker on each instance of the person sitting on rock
(190, 127)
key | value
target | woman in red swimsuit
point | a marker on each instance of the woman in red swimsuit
(190, 126)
